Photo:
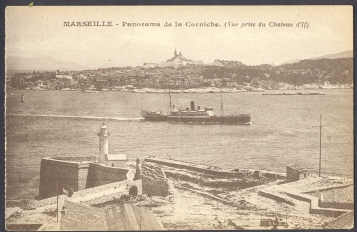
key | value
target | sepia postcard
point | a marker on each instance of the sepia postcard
(179, 118)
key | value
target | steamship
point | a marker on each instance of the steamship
(197, 115)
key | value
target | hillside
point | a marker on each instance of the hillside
(303, 72)
(220, 73)
(346, 54)
(317, 71)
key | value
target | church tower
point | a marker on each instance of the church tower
(175, 53)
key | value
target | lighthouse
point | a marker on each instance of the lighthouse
(103, 135)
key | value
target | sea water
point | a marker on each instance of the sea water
(284, 130)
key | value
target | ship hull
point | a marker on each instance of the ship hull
(236, 119)
(155, 118)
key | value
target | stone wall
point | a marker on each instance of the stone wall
(229, 184)
(101, 188)
(106, 188)
(99, 195)
(276, 196)
(82, 176)
(336, 205)
(338, 197)
(77, 173)
(61, 173)
(154, 182)
(213, 172)
(314, 205)
(77, 158)
(101, 175)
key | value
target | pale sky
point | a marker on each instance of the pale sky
(38, 31)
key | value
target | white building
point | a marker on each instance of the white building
(118, 160)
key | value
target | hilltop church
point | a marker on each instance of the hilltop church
(176, 61)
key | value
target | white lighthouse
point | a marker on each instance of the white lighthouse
(103, 135)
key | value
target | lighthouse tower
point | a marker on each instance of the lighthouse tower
(103, 135)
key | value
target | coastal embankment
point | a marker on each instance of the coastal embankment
(183, 196)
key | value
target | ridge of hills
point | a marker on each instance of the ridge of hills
(346, 54)
(17, 63)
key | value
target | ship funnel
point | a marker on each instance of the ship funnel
(198, 108)
(192, 105)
